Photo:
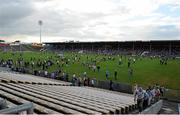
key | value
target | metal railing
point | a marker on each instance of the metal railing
(179, 108)
(28, 107)
(2, 103)
(153, 109)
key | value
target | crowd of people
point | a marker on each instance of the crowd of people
(145, 97)
(39, 67)
(83, 81)
(163, 60)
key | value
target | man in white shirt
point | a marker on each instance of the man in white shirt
(138, 96)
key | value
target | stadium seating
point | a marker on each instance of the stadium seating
(29, 79)
(51, 96)
(66, 99)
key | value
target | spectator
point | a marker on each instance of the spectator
(115, 75)
(157, 94)
(79, 81)
(85, 81)
(120, 61)
(139, 96)
(74, 80)
(45, 73)
(134, 60)
(53, 75)
(162, 91)
(67, 77)
(98, 68)
(107, 74)
(130, 72)
(94, 68)
(129, 64)
(153, 95)
(92, 82)
(111, 85)
(150, 95)
(84, 74)
(145, 100)
(88, 81)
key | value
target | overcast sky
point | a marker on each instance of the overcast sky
(89, 20)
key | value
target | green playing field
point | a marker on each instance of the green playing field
(146, 71)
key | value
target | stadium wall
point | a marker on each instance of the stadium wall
(125, 88)
(172, 95)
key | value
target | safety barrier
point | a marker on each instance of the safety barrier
(28, 107)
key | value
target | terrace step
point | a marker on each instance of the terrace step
(18, 100)
(53, 106)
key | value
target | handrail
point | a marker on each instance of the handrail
(24, 107)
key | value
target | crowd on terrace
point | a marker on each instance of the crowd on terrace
(146, 97)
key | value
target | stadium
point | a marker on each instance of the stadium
(41, 75)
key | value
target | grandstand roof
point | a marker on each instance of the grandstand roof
(150, 41)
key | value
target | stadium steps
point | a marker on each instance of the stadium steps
(109, 91)
(28, 47)
(26, 82)
(23, 47)
(67, 99)
(101, 101)
(15, 48)
(134, 105)
(15, 100)
(91, 98)
(52, 95)
(81, 99)
(8, 77)
(63, 98)
(50, 99)
(29, 97)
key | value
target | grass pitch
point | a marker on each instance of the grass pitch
(146, 71)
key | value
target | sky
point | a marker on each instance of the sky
(89, 20)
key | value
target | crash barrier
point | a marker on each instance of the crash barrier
(28, 107)
(2, 103)
(153, 109)
(179, 108)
